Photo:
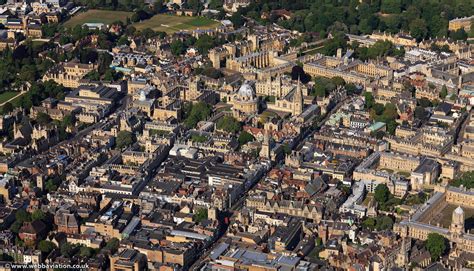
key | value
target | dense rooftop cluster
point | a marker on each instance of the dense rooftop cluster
(235, 135)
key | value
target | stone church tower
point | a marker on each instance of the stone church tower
(403, 256)
(298, 100)
(265, 152)
(457, 222)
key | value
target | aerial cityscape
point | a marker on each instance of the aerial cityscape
(219, 135)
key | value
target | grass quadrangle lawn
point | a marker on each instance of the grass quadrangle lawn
(172, 23)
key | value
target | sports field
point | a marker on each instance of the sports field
(172, 23)
(97, 16)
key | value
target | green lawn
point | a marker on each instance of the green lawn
(5, 96)
(98, 16)
(387, 169)
(444, 217)
(404, 173)
(172, 23)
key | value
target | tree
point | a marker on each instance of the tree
(418, 29)
(351, 89)
(286, 148)
(390, 112)
(28, 73)
(338, 81)
(436, 244)
(51, 186)
(197, 112)
(384, 223)
(67, 250)
(237, 19)
(68, 120)
(459, 34)
(7, 108)
(377, 109)
(148, 33)
(86, 252)
(466, 180)
(444, 92)
(43, 118)
(204, 44)
(88, 55)
(111, 75)
(158, 6)
(112, 245)
(124, 139)
(228, 124)
(421, 113)
(369, 99)
(369, 223)
(38, 215)
(323, 86)
(331, 47)
(177, 48)
(216, 4)
(200, 215)
(391, 6)
(123, 40)
(319, 91)
(22, 216)
(46, 246)
(424, 102)
(135, 17)
(245, 138)
(382, 193)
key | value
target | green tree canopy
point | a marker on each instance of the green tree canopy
(7, 108)
(124, 139)
(200, 215)
(444, 92)
(436, 244)
(205, 43)
(86, 252)
(228, 124)
(245, 138)
(43, 118)
(196, 113)
(466, 180)
(22, 216)
(67, 250)
(369, 99)
(38, 215)
(46, 246)
(384, 223)
(382, 194)
(177, 47)
(418, 29)
(112, 245)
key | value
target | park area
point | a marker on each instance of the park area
(173, 23)
(8, 95)
(11, 97)
(98, 16)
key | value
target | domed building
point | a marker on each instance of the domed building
(245, 102)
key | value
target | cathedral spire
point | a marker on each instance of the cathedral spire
(298, 99)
